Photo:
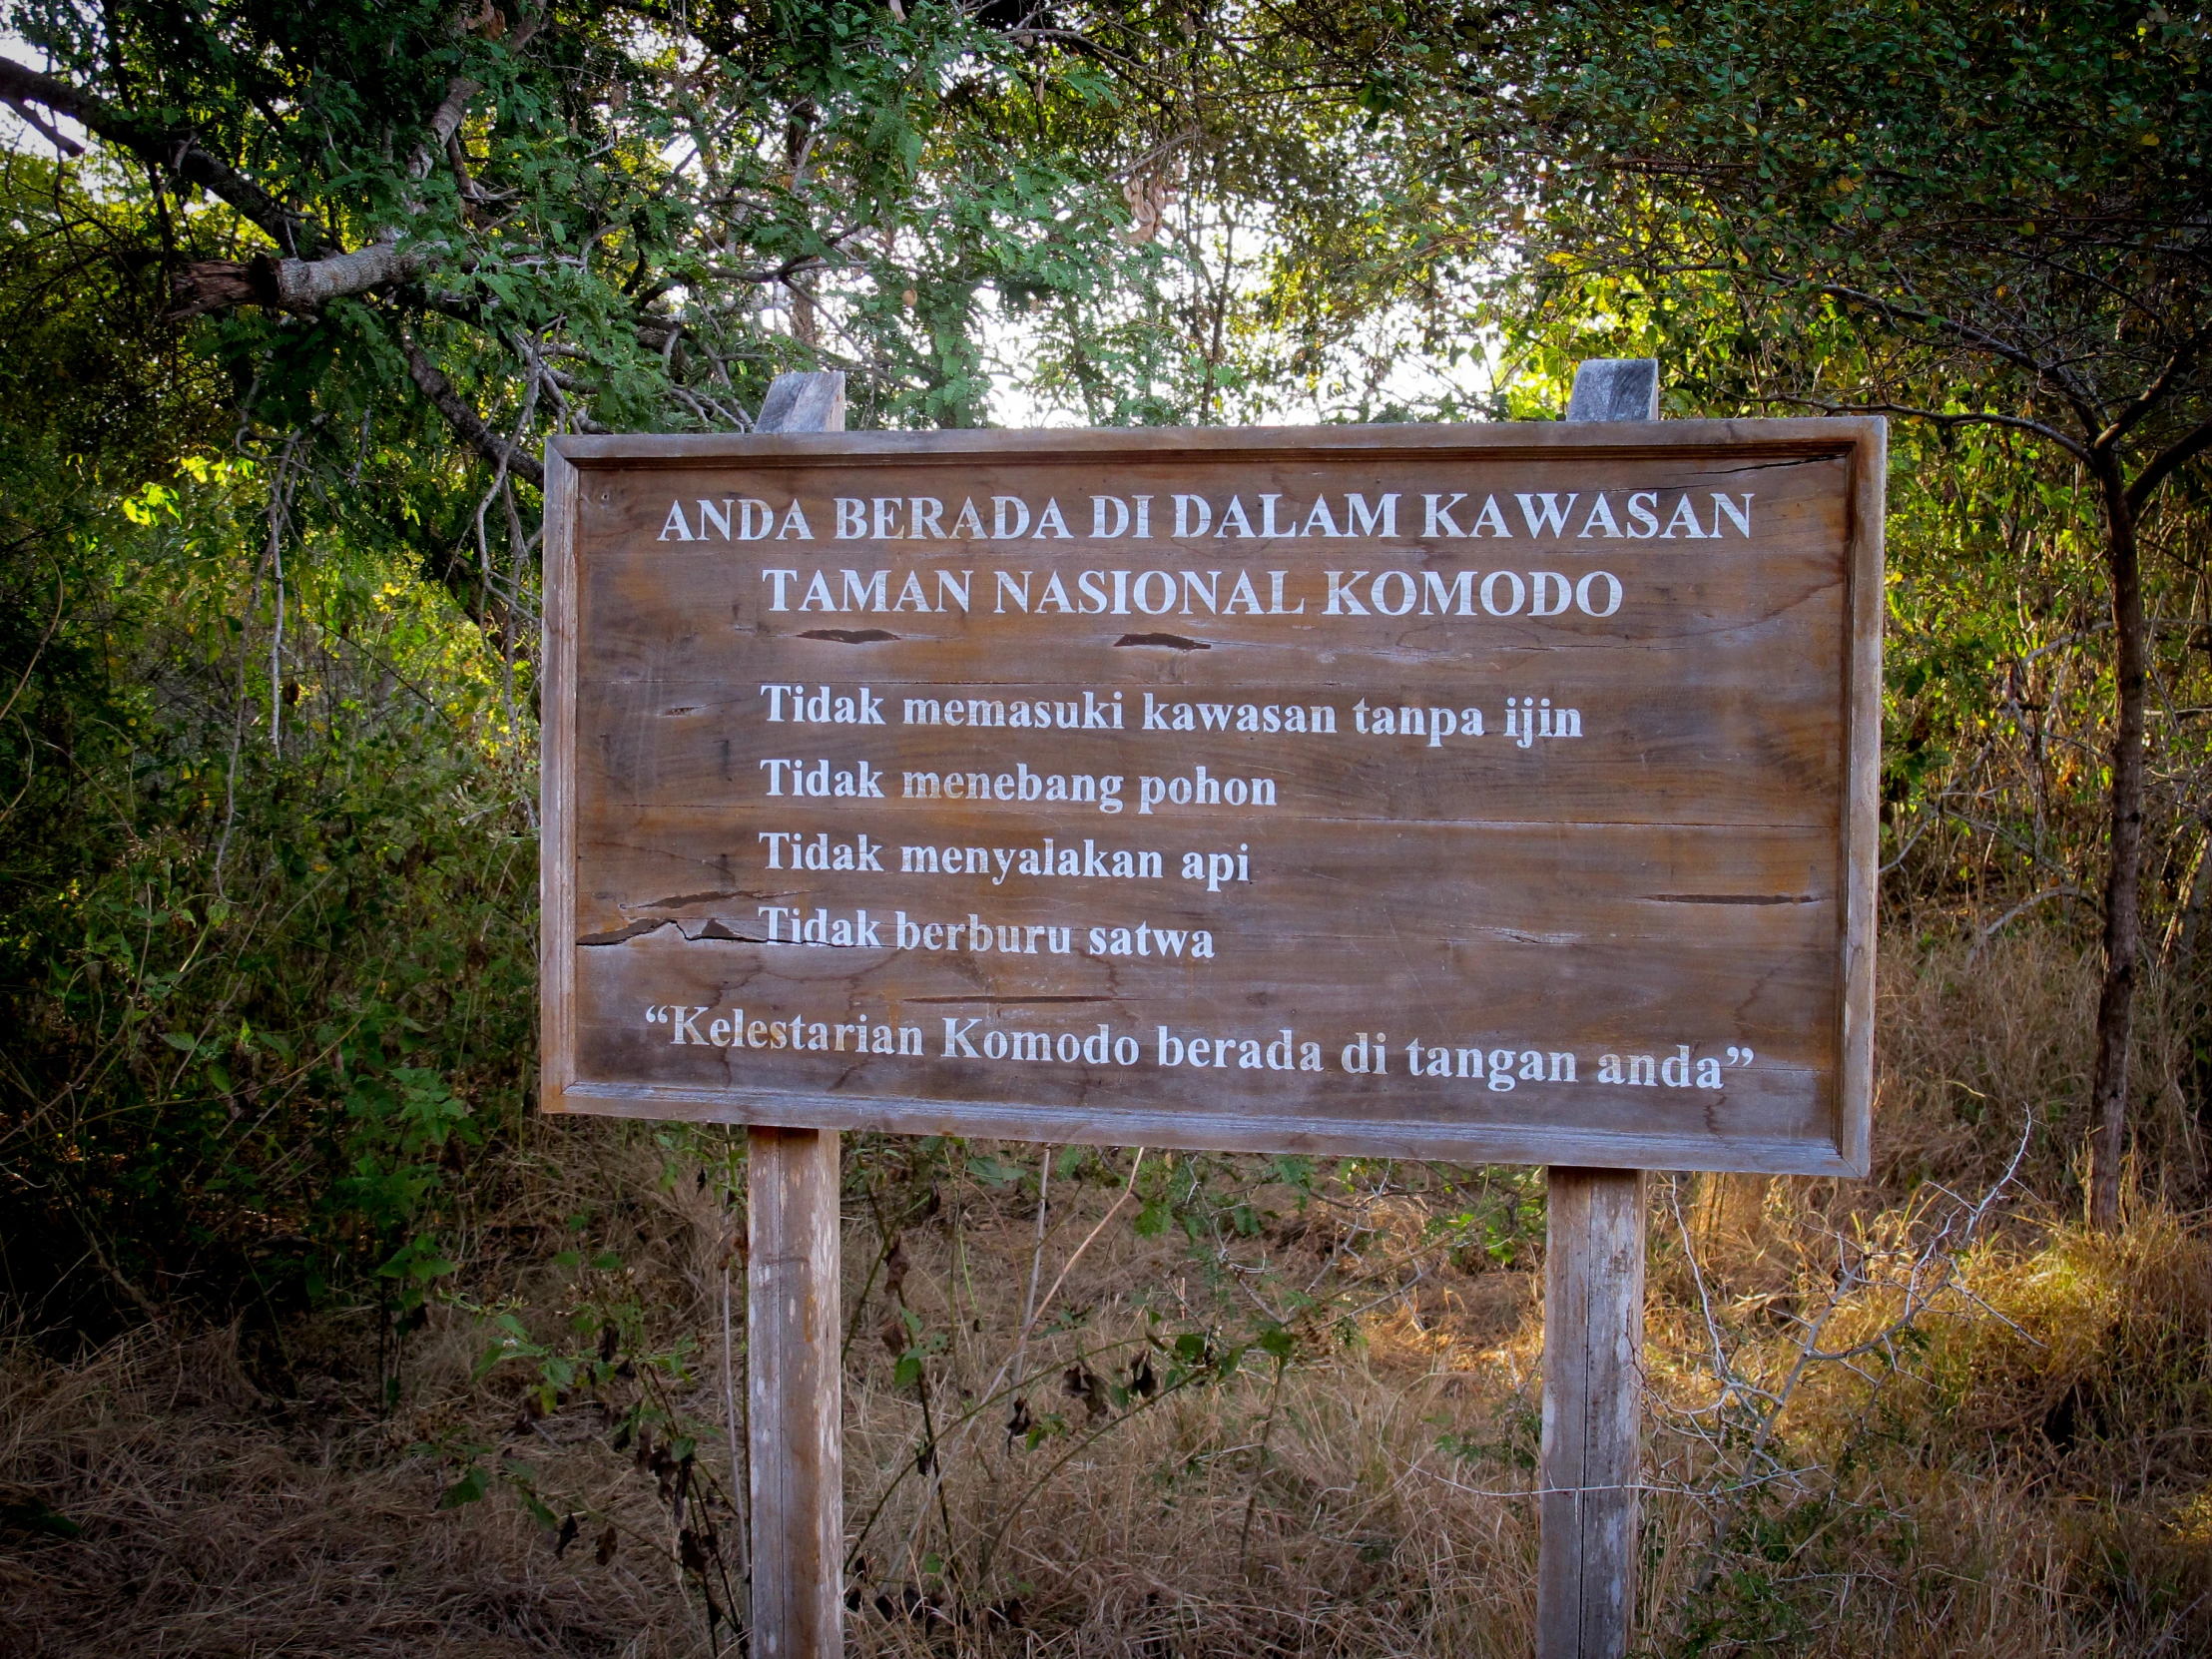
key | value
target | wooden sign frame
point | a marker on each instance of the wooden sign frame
(576, 465)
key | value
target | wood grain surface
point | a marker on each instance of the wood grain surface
(1639, 935)
(793, 1386)
(1590, 1469)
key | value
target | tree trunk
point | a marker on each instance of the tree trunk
(2123, 878)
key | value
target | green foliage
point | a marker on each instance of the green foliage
(1504, 1227)
(264, 895)
(228, 1004)
(670, 203)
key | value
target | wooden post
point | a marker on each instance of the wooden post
(793, 1373)
(1593, 1346)
(1593, 1310)
(1615, 388)
(792, 1301)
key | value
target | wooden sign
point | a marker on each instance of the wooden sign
(1476, 793)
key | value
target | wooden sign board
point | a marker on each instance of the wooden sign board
(1476, 792)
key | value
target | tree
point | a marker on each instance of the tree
(487, 220)
(1962, 213)
(511, 221)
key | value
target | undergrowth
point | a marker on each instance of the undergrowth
(1104, 1403)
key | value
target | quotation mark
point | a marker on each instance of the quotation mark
(1739, 1056)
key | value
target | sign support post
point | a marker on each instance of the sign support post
(1593, 1345)
(1593, 1310)
(794, 1393)
(794, 1323)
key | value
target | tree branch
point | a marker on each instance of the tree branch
(1941, 417)
(174, 152)
(68, 146)
(2162, 465)
(2144, 401)
(1973, 339)
(431, 380)
(305, 285)
(293, 284)
(460, 91)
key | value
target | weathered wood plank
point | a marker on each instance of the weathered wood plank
(795, 1394)
(1125, 1116)
(1822, 435)
(1637, 937)
(1592, 1404)
(1749, 762)
(1669, 872)
(557, 815)
(1862, 814)
(1635, 885)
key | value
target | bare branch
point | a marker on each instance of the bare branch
(294, 284)
(2148, 398)
(47, 130)
(434, 385)
(2022, 908)
(1945, 417)
(460, 92)
(2162, 466)
(1976, 340)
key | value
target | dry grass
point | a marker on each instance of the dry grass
(215, 1519)
(2027, 1469)
(1972, 1046)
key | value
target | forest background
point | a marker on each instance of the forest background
(319, 1340)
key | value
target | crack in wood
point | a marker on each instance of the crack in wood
(1005, 1001)
(715, 933)
(1734, 899)
(1174, 642)
(620, 934)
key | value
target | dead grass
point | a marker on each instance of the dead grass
(214, 1519)
(2025, 1470)
(1973, 1043)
